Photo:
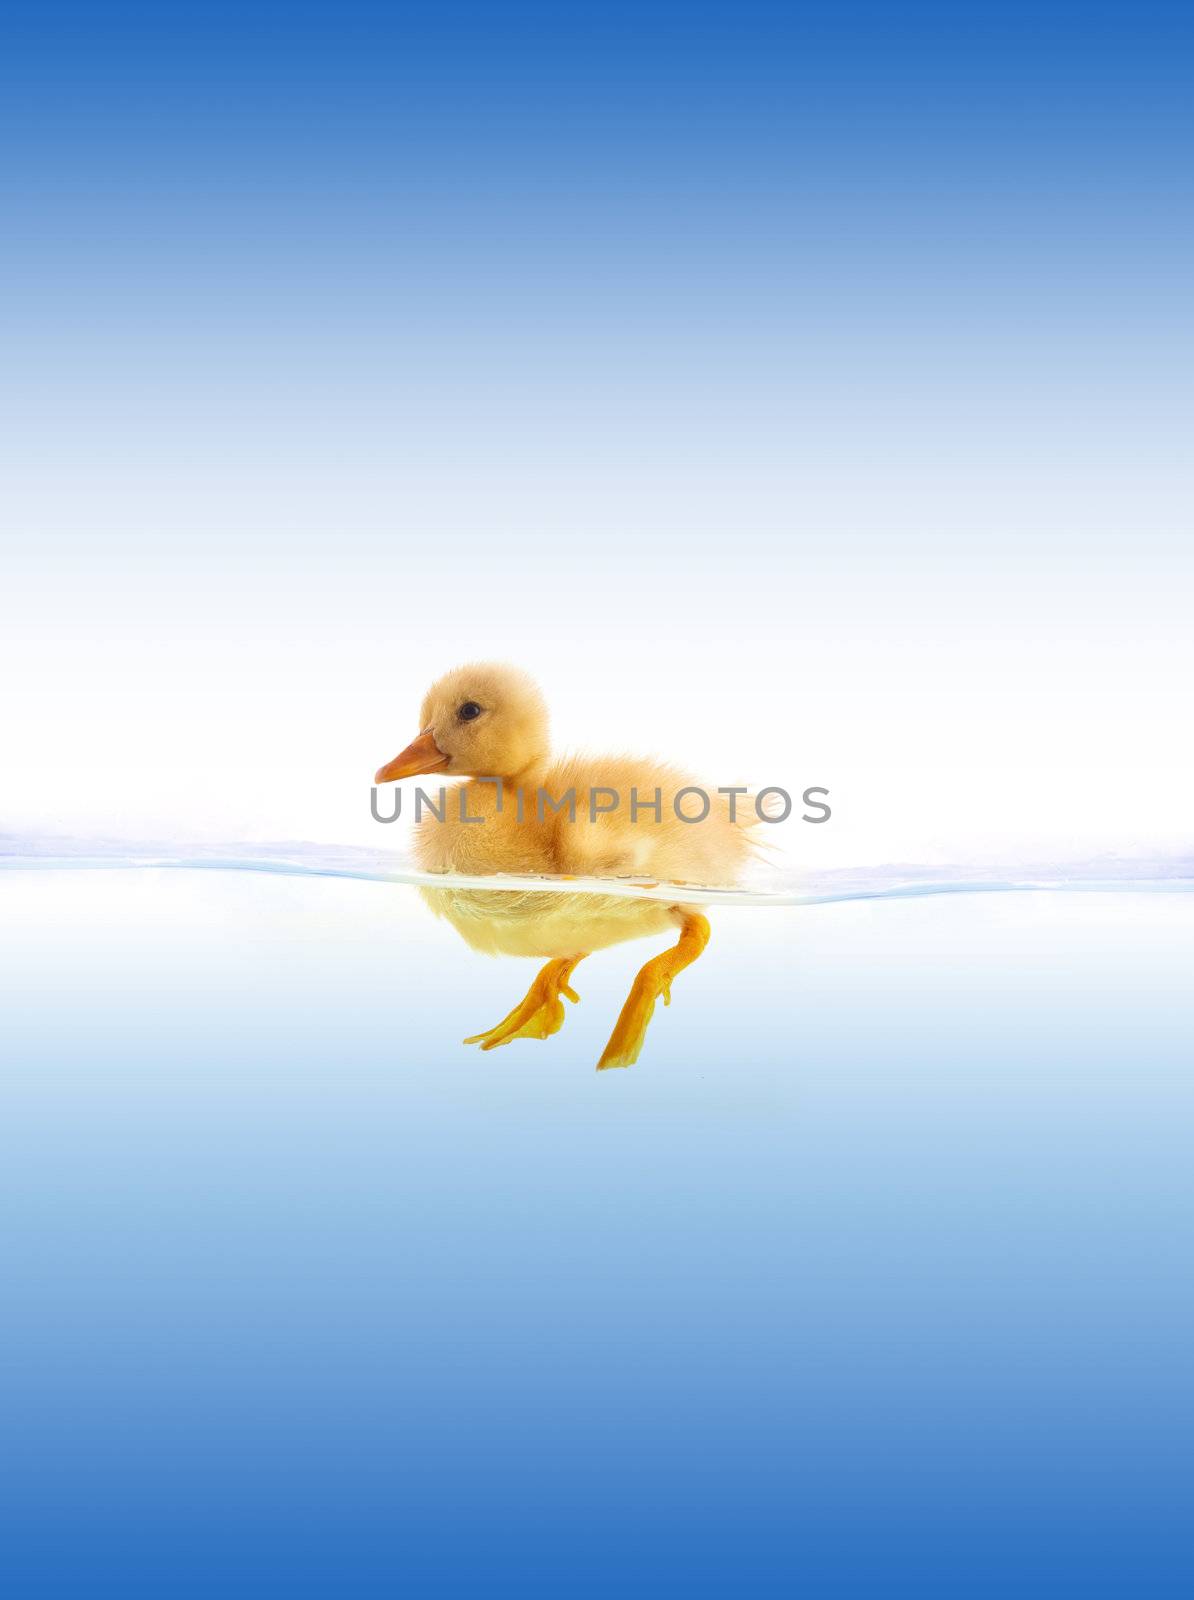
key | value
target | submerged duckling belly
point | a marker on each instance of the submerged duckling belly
(533, 922)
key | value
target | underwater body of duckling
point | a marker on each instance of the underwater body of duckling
(488, 724)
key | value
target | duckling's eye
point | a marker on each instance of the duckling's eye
(469, 711)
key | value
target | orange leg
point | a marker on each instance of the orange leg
(541, 1013)
(654, 980)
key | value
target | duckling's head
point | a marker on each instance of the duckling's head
(484, 721)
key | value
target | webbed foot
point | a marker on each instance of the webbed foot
(654, 982)
(541, 1012)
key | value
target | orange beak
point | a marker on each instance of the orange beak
(424, 755)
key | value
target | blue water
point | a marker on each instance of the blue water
(870, 1278)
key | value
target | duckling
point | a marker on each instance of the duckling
(489, 724)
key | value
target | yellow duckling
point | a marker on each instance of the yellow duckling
(489, 724)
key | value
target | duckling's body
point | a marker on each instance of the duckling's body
(511, 829)
(505, 922)
(524, 812)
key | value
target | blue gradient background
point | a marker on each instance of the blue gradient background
(871, 1278)
(813, 382)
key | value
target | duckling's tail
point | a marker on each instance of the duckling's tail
(753, 814)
